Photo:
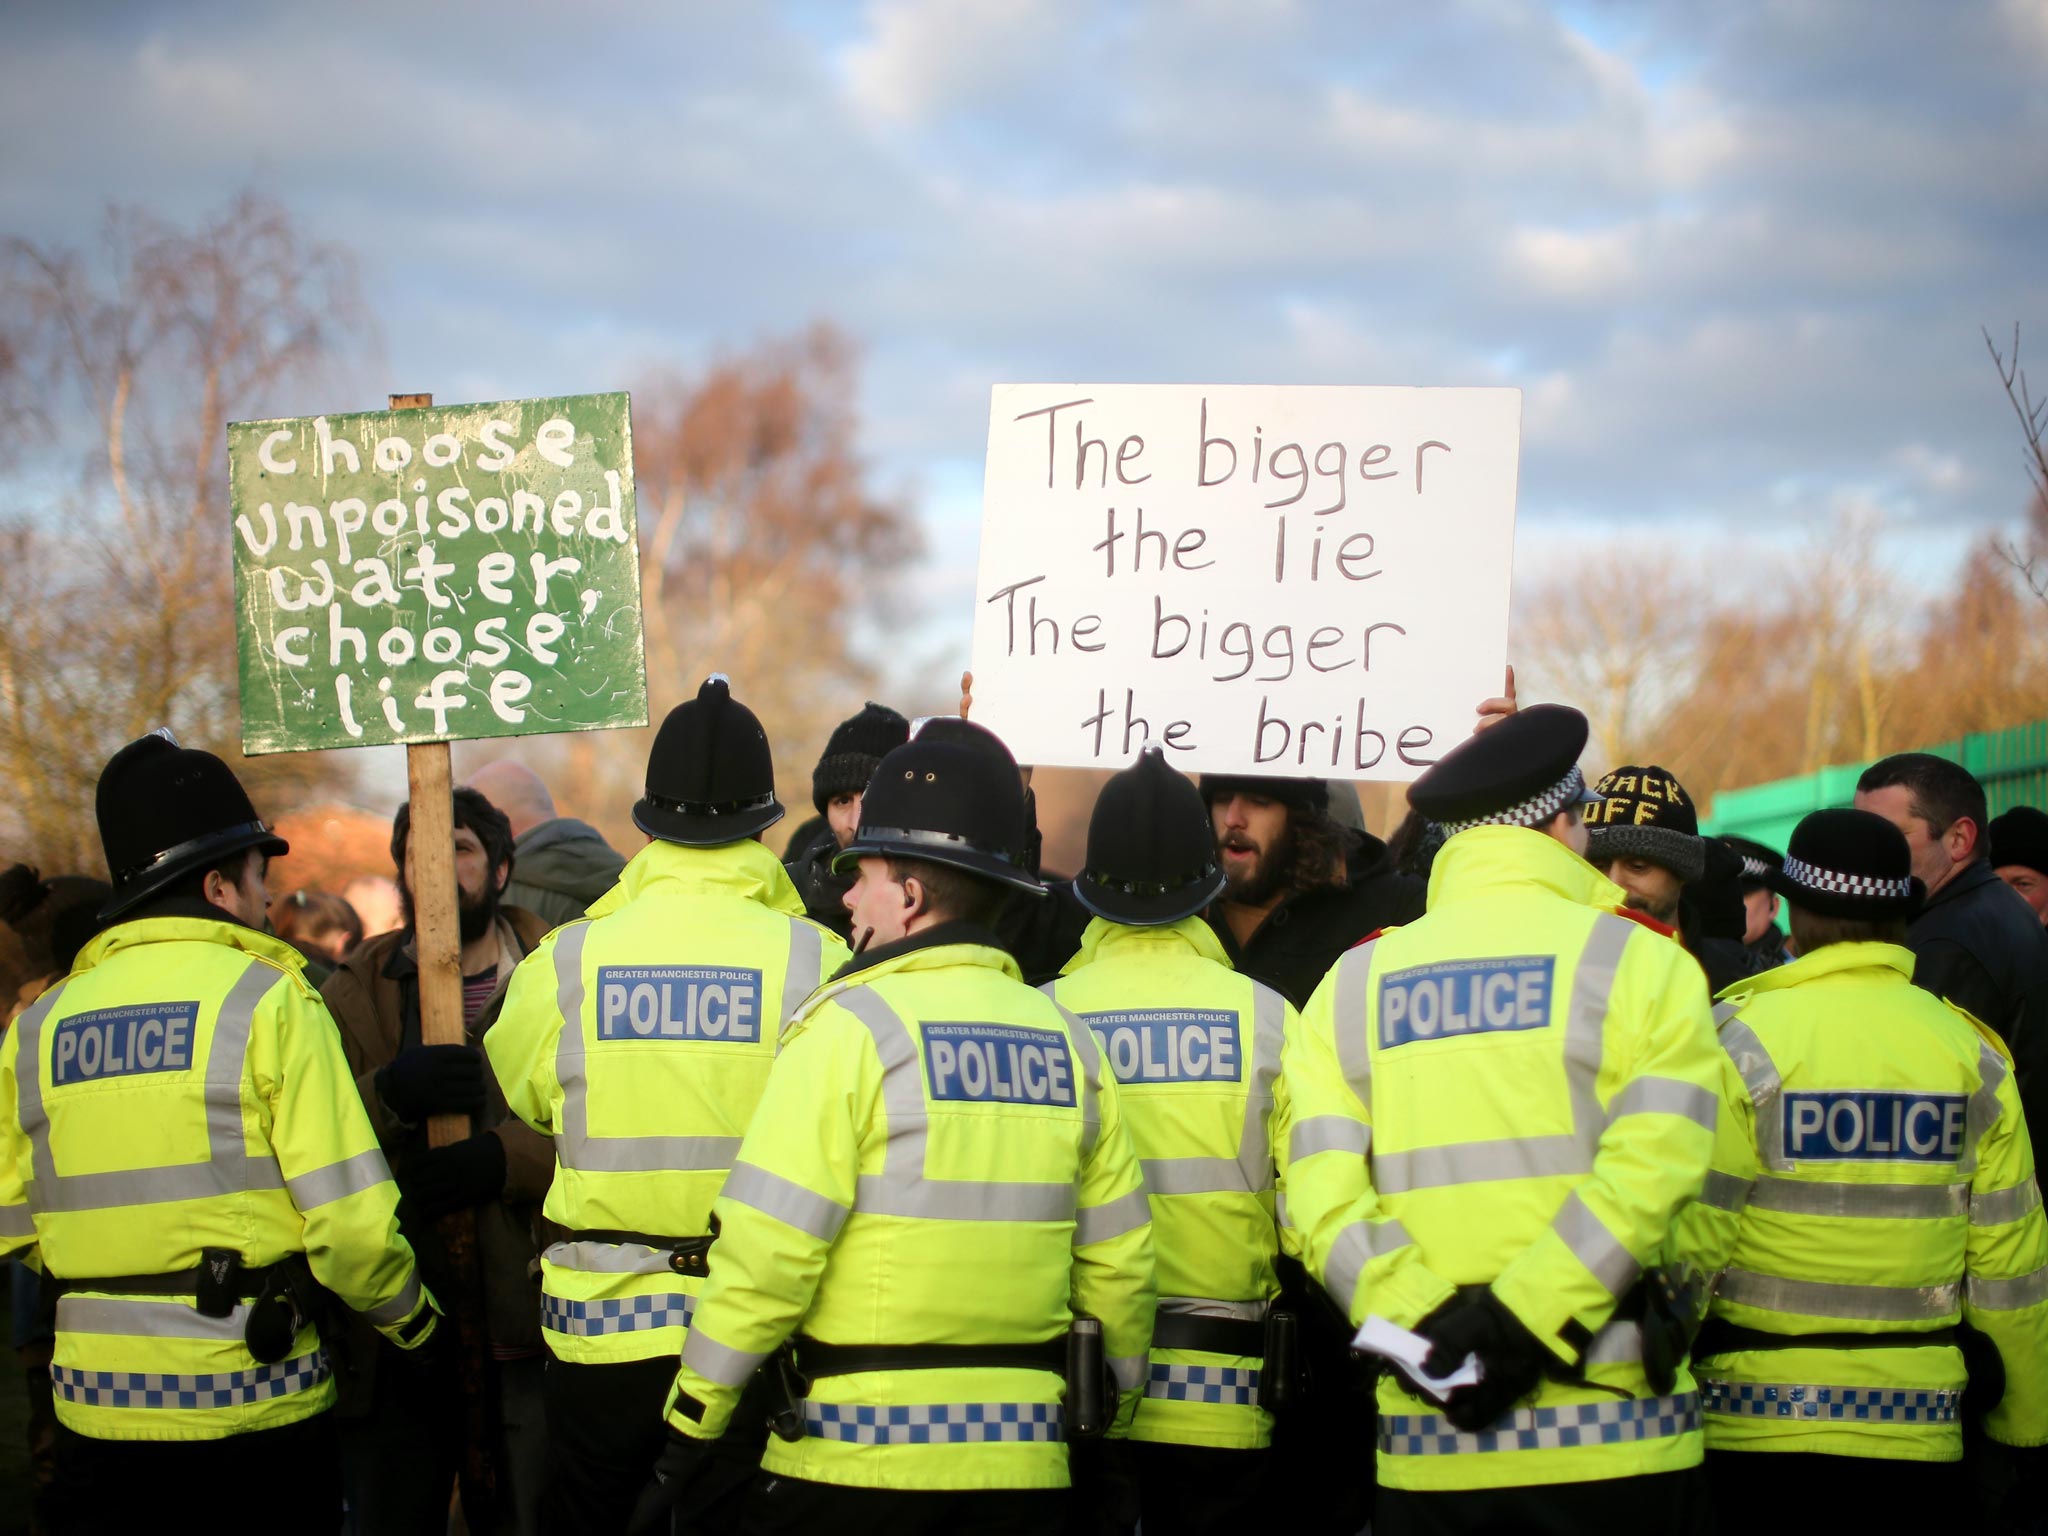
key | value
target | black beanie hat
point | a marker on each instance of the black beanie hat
(1151, 853)
(1645, 813)
(1846, 863)
(167, 811)
(951, 794)
(855, 750)
(1295, 794)
(2020, 836)
(710, 778)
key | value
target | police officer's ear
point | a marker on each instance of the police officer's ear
(913, 895)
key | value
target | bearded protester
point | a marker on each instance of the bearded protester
(1301, 889)
(401, 1420)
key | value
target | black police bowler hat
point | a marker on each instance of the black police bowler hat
(1520, 772)
(167, 811)
(1151, 853)
(710, 778)
(952, 795)
(1846, 863)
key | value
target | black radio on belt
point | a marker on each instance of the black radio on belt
(219, 1282)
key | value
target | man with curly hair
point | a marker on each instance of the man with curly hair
(1303, 888)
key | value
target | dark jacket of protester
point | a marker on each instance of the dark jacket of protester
(559, 868)
(1979, 945)
(375, 999)
(1304, 934)
(824, 893)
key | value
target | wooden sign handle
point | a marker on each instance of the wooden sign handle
(430, 860)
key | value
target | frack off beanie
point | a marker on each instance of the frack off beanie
(1645, 813)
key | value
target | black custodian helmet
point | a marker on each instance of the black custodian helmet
(951, 795)
(710, 777)
(167, 811)
(1151, 851)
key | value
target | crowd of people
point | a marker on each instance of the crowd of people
(902, 1184)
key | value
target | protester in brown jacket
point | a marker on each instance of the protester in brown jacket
(402, 1421)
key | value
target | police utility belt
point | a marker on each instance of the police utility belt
(283, 1297)
(1075, 1355)
(1275, 1342)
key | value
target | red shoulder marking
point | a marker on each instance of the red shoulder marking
(1375, 934)
(1647, 921)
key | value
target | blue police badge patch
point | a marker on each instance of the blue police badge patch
(121, 1042)
(1465, 997)
(998, 1064)
(678, 1002)
(1871, 1126)
(1171, 1045)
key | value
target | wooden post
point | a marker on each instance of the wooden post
(437, 946)
(430, 864)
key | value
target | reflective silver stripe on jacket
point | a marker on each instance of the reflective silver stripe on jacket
(158, 1317)
(717, 1363)
(1355, 1247)
(1090, 1054)
(17, 1221)
(1328, 1133)
(1999, 1206)
(1984, 1107)
(902, 1187)
(1594, 1245)
(337, 1181)
(1209, 1306)
(1907, 1202)
(2009, 1295)
(788, 1202)
(935, 1423)
(388, 1314)
(805, 970)
(227, 1169)
(575, 1147)
(1585, 1027)
(1100, 1223)
(1825, 1298)
(1760, 1076)
(1349, 1022)
(1544, 1429)
(215, 1389)
(1799, 1400)
(1724, 1191)
(1476, 1162)
(593, 1258)
(1666, 1096)
(1619, 1342)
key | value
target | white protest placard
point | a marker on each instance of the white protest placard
(1280, 580)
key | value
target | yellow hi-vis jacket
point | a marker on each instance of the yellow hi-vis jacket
(1195, 1050)
(640, 1040)
(1874, 1177)
(1515, 1090)
(940, 1158)
(182, 1089)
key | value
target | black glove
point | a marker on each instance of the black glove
(451, 1178)
(432, 1080)
(682, 1459)
(1511, 1358)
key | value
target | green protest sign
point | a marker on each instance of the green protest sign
(437, 574)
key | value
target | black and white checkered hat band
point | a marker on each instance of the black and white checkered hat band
(1534, 811)
(1799, 872)
(1755, 869)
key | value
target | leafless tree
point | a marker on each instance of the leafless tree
(115, 582)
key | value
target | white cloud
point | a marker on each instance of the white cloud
(923, 58)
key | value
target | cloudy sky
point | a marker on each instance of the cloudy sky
(1737, 255)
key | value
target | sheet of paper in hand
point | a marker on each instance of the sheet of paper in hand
(1301, 580)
